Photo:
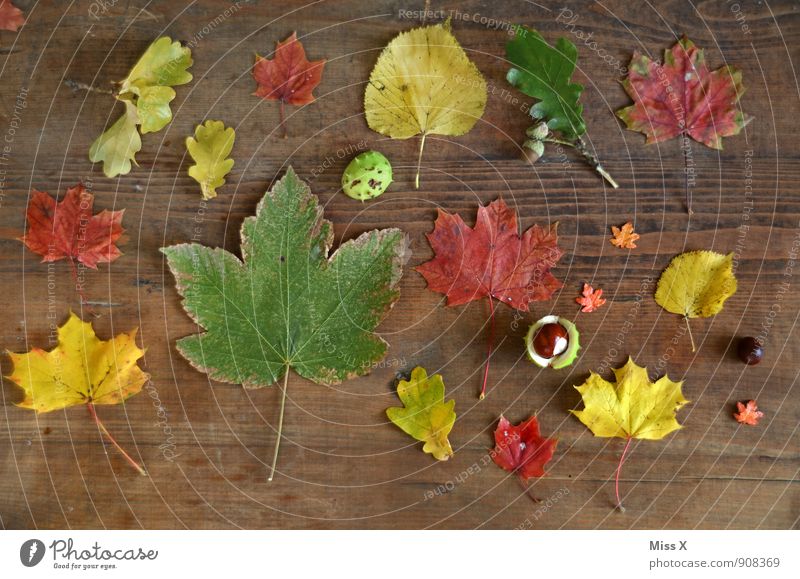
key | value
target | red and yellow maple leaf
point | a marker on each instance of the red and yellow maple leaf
(521, 449)
(748, 414)
(11, 17)
(625, 237)
(289, 77)
(67, 229)
(492, 260)
(682, 96)
(591, 300)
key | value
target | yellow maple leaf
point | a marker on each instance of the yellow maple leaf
(425, 415)
(696, 285)
(633, 407)
(81, 369)
(210, 152)
(423, 84)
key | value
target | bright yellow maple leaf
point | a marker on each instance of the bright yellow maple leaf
(696, 285)
(425, 415)
(633, 407)
(210, 152)
(81, 369)
(423, 84)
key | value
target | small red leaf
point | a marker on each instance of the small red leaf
(591, 300)
(288, 77)
(492, 260)
(521, 449)
(748, 414)
(682, 96)
(67, 229)
(11, 17)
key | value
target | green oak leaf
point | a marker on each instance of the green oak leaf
(286, 304)
(210, 152)
(147, 92)
(543, 72)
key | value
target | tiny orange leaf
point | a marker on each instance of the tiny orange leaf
(624, 237)
(748, 414)
(591, 300)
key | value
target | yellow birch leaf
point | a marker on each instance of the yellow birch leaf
(81, 369)
(210, 152)
(425, 415)
(696, 285)
(633, 407)
(423, 84)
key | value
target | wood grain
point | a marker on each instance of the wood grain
(207, 445)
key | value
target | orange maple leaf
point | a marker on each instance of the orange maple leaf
(11, 17)
(625, 237)
(748, 414)
(591, 300)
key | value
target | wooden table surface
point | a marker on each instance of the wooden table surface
(207, 446)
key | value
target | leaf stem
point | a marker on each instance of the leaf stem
(589, 157)
(79, 287)
(686, 150)
(283, 118)
(688, 327)
(419, 159)
(77, 85)
(491, 347)
(280, 426)
(619, 469)
(107, 434)
(526, 487)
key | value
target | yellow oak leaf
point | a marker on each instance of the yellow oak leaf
(425, 415)
(633, 407)
(423, 84)
(210, 152)
(81, 369)
(696, 285)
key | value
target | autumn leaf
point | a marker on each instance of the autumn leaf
(492, 260)
(591, 299)
(425, 416)
(289, 77)
(696, 285)
(81, 369)
(424, 84)
(146, 93)
(748, 414)
(624, 237)
(210, 151)
(521, 449)
(682, 97)
(286, 304)
(633, 407)
(545, 72)
(11, 17)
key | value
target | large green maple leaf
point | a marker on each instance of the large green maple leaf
(543, 72)
(285, 304)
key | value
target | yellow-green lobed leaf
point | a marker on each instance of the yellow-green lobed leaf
(210, 150)
(425, 415)
(117, 147)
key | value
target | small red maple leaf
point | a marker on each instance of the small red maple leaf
(591, 300)
(11, 17)
(683, 97)
(748, 414)
(67, 229)
(288, 77)
(521, 449)
(492, 260)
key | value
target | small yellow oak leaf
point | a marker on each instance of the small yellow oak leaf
(425, 416)
(210, 152)
(81, 369)
(423, 84)
(633, 407)
(696, 285)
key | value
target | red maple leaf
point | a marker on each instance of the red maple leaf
(67, 229)
(591, 300)
(11, 17)
(683, 97)
(288, 77)
(492, 260)
(521, 449)
(748, 414)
